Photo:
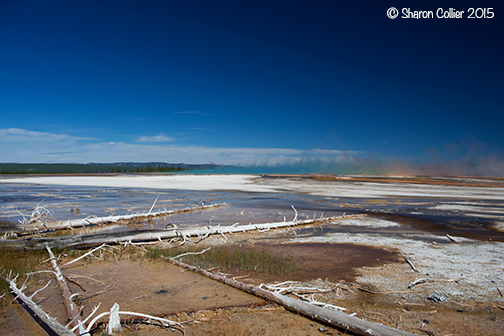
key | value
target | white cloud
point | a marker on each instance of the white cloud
(25, 146)
(155, 139)
(21, 135)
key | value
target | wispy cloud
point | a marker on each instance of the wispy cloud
(21, 135)
(155, 139)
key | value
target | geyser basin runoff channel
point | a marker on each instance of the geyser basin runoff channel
(468, 207)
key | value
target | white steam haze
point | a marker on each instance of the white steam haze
(25, 146)
(489, 165)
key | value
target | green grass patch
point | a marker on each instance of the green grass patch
(19, 262)
(233, 259)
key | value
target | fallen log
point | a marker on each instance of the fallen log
(84, 240)
(91, 221)
(73, 313)
(49, 322)
(332, 317)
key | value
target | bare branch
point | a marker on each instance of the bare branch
(84, 255)
(188, 253)
(296, 214)
(419, 281)
(153, 204)
(164, 322)
(81, 323)
(411, 264)
(39, 290)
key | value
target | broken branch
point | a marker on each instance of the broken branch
(419, 281)
(411, 264)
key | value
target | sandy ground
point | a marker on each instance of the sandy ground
(461, 294)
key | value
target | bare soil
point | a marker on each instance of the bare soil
(162, 289)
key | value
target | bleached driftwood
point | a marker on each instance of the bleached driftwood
(419, 281)
(290, 286)
(73, 313)
(191, 253)
(411, 264)
(9, 235)
(82, 323)
(37, 215)
(48, 320)
(312, 301)
(89, 221)
(35, 243)
(114, 321)
(84, 255)
(331, 317)
(451, 238)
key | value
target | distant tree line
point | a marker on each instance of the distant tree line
(6, 168)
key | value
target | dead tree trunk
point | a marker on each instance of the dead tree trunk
(34, 243)
(83, 222)
(71, 309)
(48, 320)
(331, 317)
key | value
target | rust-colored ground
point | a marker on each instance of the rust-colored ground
(464, 180)
(332, 262)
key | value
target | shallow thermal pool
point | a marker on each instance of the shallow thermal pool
(473, 218)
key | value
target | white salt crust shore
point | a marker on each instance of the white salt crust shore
(254, 183)
(182, 182)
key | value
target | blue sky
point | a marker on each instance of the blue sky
(249, 82)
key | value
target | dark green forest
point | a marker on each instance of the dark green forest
(64, 168)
